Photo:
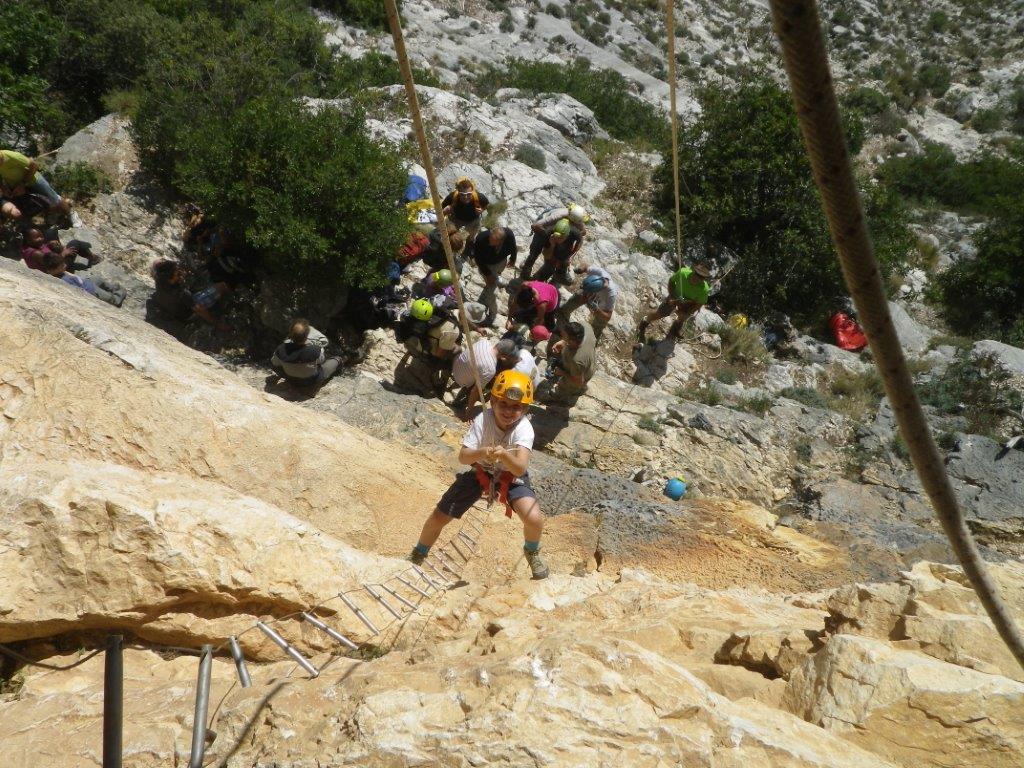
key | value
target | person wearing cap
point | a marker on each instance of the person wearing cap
(573, 361)
(688, 291)
(464, 206)
(557, 246)
(497, 447)
(493, 250)
(491, 359)
(599, 293)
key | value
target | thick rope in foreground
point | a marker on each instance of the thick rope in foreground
(428, 165)
(670, 23)
(803, 47)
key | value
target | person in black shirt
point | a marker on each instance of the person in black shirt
(493, 250)
(464, 207)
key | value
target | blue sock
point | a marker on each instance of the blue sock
(531, 546)
(423, 549)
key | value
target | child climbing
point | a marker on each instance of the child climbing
(498, 447)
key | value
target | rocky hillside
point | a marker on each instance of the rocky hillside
(796, 609)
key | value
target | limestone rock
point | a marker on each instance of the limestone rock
(105, 145)
(909, 708)
(913, 336)
(1011, 358)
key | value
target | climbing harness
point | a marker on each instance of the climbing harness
(798, 27)
(495, 486)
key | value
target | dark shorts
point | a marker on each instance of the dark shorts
(466, 490)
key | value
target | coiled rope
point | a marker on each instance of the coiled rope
(798, 27)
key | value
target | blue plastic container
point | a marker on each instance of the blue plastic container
(675, 488)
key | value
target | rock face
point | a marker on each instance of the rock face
(908, 708)
(1011, 358)
(106, 145)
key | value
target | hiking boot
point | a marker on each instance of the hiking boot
(538, 567)
(417, 557)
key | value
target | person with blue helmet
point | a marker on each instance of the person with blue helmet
(599, 293)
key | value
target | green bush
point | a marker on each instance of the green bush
(985, 295)
(747, 184)
(974, 186)
(369, 14)
(935, 77)
(758, 405)
(809, 397)
(988, 120)
(978, 387)
(79, 181)
(868, 101)
(606, 92)
(219, 121)
(741, 345)
(938, 21)
(649, 424)
(531, 155)
(555, 10)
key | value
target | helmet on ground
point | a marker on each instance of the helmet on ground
(592, 283)
(561, 227)
(738, 320)
(675, 488)
(443, 277)
(539, 333)
(422, 309)
(514, 386)
(577, 214)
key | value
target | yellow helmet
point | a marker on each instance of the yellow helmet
(738, 320)
(514, 386)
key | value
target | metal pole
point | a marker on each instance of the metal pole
(113, 701)
(195, 759)
(240, 665)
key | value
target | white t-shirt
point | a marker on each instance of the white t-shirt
(527, 364)
(605, 298)
(462, 371)
(484, 433)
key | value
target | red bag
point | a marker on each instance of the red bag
(413, 249)
(847, 332)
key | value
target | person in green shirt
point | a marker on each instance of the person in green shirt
(19, 175)
(688, 291)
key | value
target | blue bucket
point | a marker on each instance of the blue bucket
(675, 488)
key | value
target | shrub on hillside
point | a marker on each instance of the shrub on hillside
(985, 295)
(531, 155)
(312, 193)
(624, 115)
(937, 175)
(79, 181)
(976, 387)
(369, 14)
(747, 184)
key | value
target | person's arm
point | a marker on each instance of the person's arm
(513, 248)
(515, 460)
(474, 455)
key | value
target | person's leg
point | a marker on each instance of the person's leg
(663, 310)
(526, 507)
(432, 528)
(598, 323)
(536, 246)
(329, 368)
(564, 313)
(684, 312)
(546, 271)
(108, 296)
(42, 187)
(460, 496)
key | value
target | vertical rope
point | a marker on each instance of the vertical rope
(428, 164)
(803, 47)
(674, 118)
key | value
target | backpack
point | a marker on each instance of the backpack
(847, 332)
(414, 248)
(416, 189)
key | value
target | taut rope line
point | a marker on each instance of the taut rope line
(428, 164)
(670, 22)
(803, 48)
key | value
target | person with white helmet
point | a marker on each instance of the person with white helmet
(574, 212)
(557, 246)
(599, 293)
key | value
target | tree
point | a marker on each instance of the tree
(746, 184)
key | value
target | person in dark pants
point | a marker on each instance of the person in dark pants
(464, 207)
(557, 246)
(493, 250)
(300, 359)
(53, 263)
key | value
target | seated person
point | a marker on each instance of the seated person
(573, 360)
(53, 263)
(435, 284)
(301, 360)
(557, 245)
(178, 303)
(430, 248)
(431, 331)
(19, 175)
(36, 246)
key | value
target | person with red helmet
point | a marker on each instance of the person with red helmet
(497, 447)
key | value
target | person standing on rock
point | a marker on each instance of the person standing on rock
(498, 447)
(300, 359)
(464, 207)
(493, 250)
(599, 293)
(557, 245)
(688, 291)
